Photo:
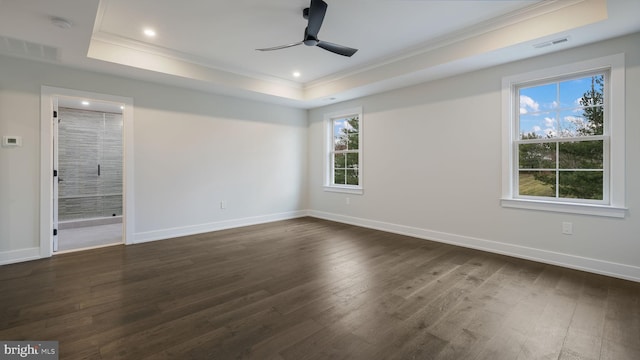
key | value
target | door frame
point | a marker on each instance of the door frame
(48, 95)
(55, 198)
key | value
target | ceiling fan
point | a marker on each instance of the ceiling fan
(315, 15)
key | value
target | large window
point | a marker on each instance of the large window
(566, 139)
(343, 168)
(562, 146)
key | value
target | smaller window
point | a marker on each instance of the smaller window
(343, 165)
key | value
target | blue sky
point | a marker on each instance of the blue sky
(553, 109)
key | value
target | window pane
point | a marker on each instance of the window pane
(594, 121)
(571, 123)
(340, 176)
(581, 122)
(538, 98)
(538, 125)
(581, 184)
(537, 183)
(581, 155)
(537, 156)
(354, 140)
(352, 160)
(586, 95)
(339, 143)
(339, 161)
(345, 126)
(586, 91)
(352, 125)
(352, 177)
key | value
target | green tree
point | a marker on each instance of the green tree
(593, 101)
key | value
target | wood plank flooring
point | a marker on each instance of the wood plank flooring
(314, 289)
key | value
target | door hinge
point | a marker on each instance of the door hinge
(55, 173)
(55, 232)
(55, 114)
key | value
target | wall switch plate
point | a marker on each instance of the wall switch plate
(567, 228)
(223, 204)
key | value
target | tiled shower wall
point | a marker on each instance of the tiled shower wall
(86, 140)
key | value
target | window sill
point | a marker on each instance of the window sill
(344, 189)
(573, 208)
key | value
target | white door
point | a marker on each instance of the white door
(56, 178)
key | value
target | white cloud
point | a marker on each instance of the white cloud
(528, 104)
(550, 122)
(574, 119)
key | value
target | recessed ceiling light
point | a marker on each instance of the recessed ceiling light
(85, 103)
(296, 74)
(150, 32)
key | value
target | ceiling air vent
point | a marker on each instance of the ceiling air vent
(551, 42)
(22, 48)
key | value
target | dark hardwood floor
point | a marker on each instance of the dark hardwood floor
(313, 289)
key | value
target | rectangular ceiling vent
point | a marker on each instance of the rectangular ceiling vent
(552, 42)
(22, 48)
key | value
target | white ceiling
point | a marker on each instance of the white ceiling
(210, 45)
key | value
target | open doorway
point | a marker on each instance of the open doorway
(87, 198)
(88, 145)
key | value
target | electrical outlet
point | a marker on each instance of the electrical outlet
(567, 228)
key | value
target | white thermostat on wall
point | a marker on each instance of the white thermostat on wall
(11, 141)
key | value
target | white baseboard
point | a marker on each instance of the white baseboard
(15, 256)
(602, 267)
(163, 234)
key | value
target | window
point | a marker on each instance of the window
(564, 138)
(343, 166)
(560, 147)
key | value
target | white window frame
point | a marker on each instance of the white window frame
(328, 150)
(613, 204)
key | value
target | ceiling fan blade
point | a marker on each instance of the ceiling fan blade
(317, 9)
(281, 46)
(337, 49)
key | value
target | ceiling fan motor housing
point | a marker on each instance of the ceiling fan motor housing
(308, 39)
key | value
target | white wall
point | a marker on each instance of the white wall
(432, 163)
(432, 168)
(192, 150)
